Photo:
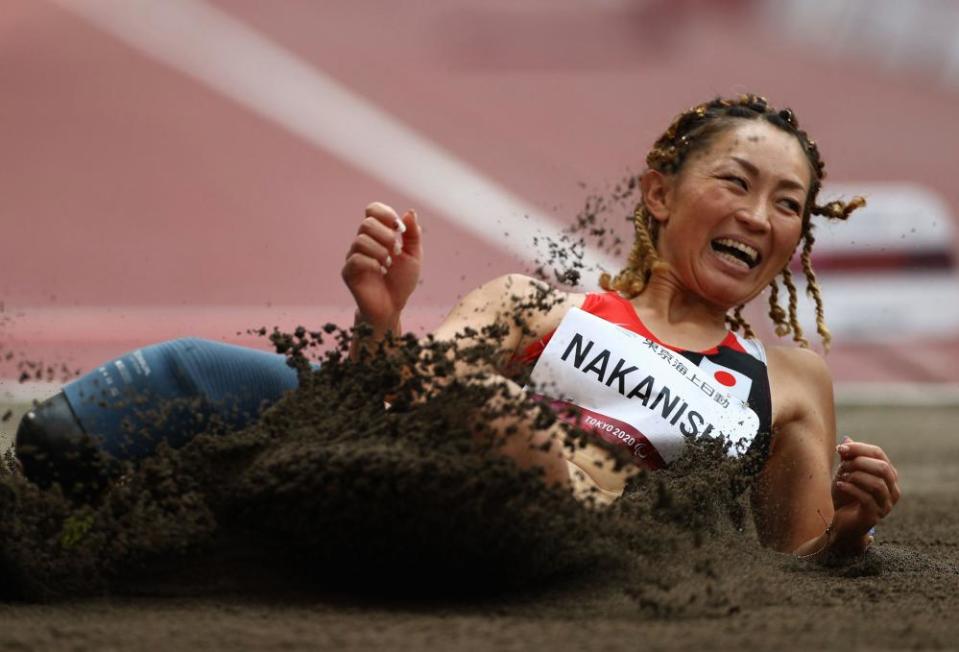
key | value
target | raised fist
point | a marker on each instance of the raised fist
(383, 264)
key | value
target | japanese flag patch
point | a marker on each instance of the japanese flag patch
(732, 382)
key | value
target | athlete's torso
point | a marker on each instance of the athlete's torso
(736, 368)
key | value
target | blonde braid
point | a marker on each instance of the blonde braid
(839, 210)
(642, 258)
(812, 288)
(776, 312)
(834, 210)
(737, 321)
(794, 308)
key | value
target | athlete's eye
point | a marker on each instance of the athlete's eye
(791, 204)
(736, 180)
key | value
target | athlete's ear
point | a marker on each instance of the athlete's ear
(656, 194)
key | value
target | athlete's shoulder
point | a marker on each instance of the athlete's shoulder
(802, 362)
(800, 382)
(516, 302)
(525, 292)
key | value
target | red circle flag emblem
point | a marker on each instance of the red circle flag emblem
(725, 378)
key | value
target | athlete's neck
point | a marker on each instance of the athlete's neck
(678, 316)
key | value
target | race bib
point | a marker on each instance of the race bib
(636, 393)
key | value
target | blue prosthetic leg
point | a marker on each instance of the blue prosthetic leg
(166, 392)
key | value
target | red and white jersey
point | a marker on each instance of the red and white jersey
(635, 391)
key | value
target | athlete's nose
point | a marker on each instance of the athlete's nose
(755, 218)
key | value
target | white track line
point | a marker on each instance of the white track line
(223, 53)
(857, 394)
(57, 324)
(13, 392)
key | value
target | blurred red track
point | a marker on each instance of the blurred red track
(127, 183)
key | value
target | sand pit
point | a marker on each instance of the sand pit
(261, 538)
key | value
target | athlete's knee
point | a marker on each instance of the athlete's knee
(52, 448)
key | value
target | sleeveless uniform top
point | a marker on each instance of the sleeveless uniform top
(737, 365)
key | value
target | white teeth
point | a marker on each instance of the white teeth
(745, 248)
(732, 259)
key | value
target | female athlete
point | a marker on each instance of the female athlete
(727, 200)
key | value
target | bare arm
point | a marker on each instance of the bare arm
(791, 499)
(381, 271)
(498, 317)
(799, 506)
(514, 308)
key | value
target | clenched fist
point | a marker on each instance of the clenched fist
(383, 265)
(864, 491)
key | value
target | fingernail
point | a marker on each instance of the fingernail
(843, 449)
(846, 438)
(844, 476)
(416, 217)
(397, 247)
(400, 226)
(389, 260)
(383, 270)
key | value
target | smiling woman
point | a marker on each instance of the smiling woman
(774, 137)
(727, 200)
(742, 198)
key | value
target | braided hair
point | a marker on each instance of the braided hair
(692, 131)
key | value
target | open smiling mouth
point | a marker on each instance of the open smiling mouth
(736, 251)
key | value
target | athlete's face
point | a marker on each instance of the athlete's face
(732, 217)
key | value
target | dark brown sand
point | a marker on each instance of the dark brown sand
(351, 529)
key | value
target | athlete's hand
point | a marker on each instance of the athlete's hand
(864, 491)
(383, 264)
